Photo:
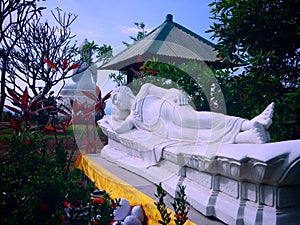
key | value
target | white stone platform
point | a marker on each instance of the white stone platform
(241, 184)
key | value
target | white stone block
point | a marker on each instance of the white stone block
(267, 195)
(249, 191)
(227, 186)
(199, 177)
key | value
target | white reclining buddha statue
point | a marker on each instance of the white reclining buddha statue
(228, 162)
(167, 113)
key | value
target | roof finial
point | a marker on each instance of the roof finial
(169, 18)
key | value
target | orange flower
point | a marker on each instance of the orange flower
(98, 200)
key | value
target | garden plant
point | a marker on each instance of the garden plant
(180, 206)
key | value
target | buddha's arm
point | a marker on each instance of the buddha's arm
(125, 126)
(152, 90)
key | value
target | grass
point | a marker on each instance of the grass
(6, 133)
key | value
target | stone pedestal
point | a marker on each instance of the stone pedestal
(242, 184)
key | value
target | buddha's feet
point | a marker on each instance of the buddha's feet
(265, 118)
(259, 134)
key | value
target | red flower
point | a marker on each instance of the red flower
(66, 203)
(181, 216)
(63, 219)
(27, 141)
(154, 72)
(98, 200)
(38, 151)
(219, 57)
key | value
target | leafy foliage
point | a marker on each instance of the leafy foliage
(103, 53)
(36, 112)
(119, 78)
(34, 179)
(26, 108)
(140, 34)
(31, 180)
(265, 31)
(87, 113)
(97, 210)
(161, 206)
(180, 206)
(263, 38)
(98, 102)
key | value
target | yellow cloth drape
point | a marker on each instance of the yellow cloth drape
(104, 180)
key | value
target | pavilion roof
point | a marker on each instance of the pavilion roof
(170, 43)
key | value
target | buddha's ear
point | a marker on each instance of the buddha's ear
(113, 98)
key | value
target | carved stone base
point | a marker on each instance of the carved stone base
(242, 184)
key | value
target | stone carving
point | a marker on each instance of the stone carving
(167, 113)
(226, 163)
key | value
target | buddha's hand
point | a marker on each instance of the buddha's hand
(182, 98)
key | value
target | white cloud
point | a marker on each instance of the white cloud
(129, 30)
(87, 33)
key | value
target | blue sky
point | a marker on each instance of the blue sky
(111, 22)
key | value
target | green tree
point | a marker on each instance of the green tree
(43, 42)
(14, 17)
(263, 37)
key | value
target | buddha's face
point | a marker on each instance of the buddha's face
(121, 101)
